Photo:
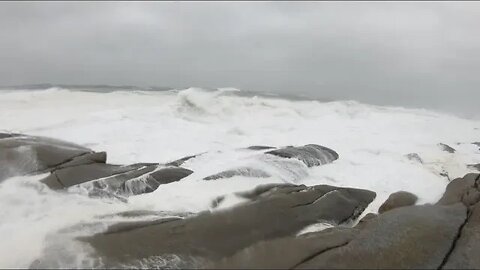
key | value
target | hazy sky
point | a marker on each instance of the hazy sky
(407, 53)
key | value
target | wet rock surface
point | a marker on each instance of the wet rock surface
(260, 147)
(8, 135)
(474, 166)
(310, 154)
(398, 199)
(67, 177)
(375, 245)
(22, 154)
(263, 231)
(447, 148)
(88, 158)
(72, 165)
(120, 180)
(391, 240)
(214, 235)
(448, 233)
(460, 190)
(180, 161)
(464, 254)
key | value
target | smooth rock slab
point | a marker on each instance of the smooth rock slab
(465, 254)
(262, 191)
(180, 161)
(116, 179)
(169, 175)
(213, 235)
(461, 190)
(285, 253)
(88, 158)
(474, 166)
(9, 135)
(67, 177)
(150, 182)
(398, 199)
(415, 237)
(310, 154)
(441, 236)
(21, 154)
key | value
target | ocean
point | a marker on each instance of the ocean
(161, 125)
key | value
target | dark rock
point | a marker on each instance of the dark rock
(465, 251)
(444, 173)
(217, 201)
(447, 148)
(133, 214)
(398, 199)
(244, 171)
(457, 188)
(474, 166)
(260, 147)
(119, 180)
(213, 235)
(126, 226)
(72, 164)
(22, 154)
(100, 193)
(267, 189)
(71, 176)
(262, 191)
(310, 154)
(365, 220)
(169, 175)
(285, 253)
(471, 197)
(389, 241)
(414, 157)
(368, 217)
(449, 233)
(133, 182)
(476, 143)
(9, 135)
(151, 182)
(87, 158)
(179, 162)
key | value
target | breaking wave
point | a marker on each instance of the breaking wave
(132, 126)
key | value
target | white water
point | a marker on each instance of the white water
(372, 142)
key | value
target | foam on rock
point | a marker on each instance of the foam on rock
(213, 235)
(310, 154)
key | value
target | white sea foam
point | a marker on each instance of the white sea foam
(147, 126)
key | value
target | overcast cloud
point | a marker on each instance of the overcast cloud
(402, 53)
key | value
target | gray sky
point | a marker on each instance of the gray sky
(402, 53)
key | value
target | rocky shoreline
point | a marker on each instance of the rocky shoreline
(264, 231)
